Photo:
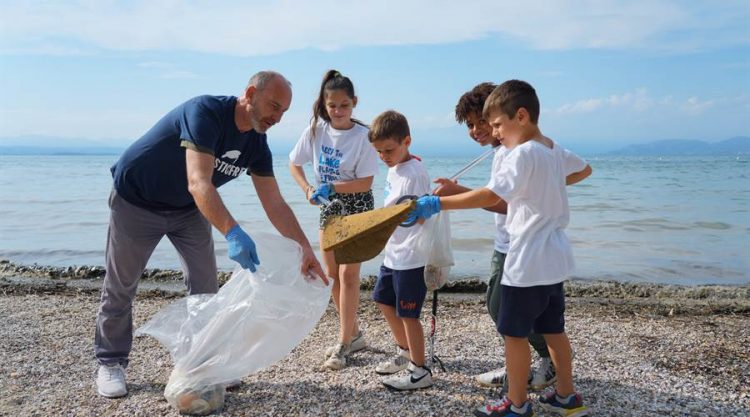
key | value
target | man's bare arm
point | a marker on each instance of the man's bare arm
(283, 219)
(200, 169)
(278, 211)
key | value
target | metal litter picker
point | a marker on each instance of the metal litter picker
(434, 359)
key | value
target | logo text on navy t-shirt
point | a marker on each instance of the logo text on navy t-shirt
(227, 168)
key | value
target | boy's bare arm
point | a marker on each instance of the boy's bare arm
(579, 176)
(448, 187)
(479, 198)
(501, 207)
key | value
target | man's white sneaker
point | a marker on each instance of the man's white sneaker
(110, 381)
(337, 360)
(397, 363)
(543, 375)
(492, 379)
(416, 377)
(358, 343)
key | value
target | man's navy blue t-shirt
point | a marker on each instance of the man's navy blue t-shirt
(152, 172)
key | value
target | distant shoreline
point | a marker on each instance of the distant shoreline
(736, 146)
(662, 299)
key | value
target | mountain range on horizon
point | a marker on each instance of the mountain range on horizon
(740, 145)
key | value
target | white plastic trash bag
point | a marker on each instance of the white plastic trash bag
(253, 321)
(434, 242)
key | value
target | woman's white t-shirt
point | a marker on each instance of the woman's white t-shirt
(337, 155)
(407, 178)
(531, 179)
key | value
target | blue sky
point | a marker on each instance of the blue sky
(609, 73)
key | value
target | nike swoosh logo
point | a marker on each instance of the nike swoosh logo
(414, 381)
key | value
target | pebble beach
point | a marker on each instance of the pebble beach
(640, 349)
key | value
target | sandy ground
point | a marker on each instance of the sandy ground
(640, 350)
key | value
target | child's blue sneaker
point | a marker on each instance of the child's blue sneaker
(498, 408)
(566, 407)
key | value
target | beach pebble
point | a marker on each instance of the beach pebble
(631, 357)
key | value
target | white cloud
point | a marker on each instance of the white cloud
(248, 28)
(66, 122)
(167, 70)
(153, 64)
(641, 101)
(438, 121)
(178, 74)
(581, 106)
(695, 106)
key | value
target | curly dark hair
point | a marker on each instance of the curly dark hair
(472, 102)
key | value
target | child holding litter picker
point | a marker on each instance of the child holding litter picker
(531, 179)
(400, 290)
(469, 111)
(344, 164)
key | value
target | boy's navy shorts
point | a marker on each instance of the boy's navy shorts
(523, 309)
(403, 289)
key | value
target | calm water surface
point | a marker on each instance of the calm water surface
(670, 220)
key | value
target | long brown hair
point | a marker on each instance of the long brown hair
(332, 80)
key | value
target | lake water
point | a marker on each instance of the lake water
(679, 220)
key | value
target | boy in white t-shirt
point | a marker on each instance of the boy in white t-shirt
(400, 290)
(469, 111)
(531, 179)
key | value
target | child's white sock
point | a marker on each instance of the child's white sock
(420, 370)
(520, 410)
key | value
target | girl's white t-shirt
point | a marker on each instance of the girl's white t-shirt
(337, 155)
(407, 178)
(502, 240)
(531, 179)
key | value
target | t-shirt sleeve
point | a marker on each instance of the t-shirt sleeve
(302, 152)
(367, 163)
(422, 185)
(417, 183)
(200, 126)
(572, 163)
(512, 175)
(262, 165)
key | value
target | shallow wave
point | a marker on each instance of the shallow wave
(471, 244)
(713, 225)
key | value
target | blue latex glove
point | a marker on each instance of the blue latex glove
(427, 206)
(242, 248)
(323, 191)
